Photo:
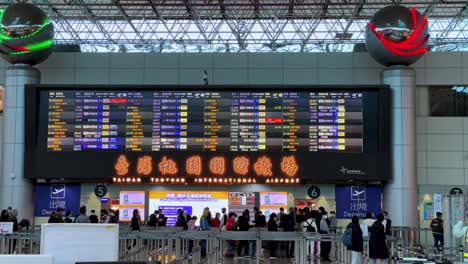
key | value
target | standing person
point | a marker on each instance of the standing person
(112, 219)
(368, 221)
(244, 225)
(68, 219)
(205, 226)
(153, 219)
(357, 241)
(82, 218)
(309, 226)
(437, 227)
(13, 217)
(333, 221)
(280, 217)
(377, 243)
(53, 218)
(256, 211)
(289, 226)
(209, 217)
(162, 219)
(134, 226)
(60, 211)
(4, 216)
(230, 226)
(216, 222)
(181, 221)
(191, 227)
(93, 218)
(272, 227)
(260, 219)
(104, 216)
(387, 224)
(325, 246)
(224, 218)
(321, 210)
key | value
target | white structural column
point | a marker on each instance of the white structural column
(400, 194)
(15, 190)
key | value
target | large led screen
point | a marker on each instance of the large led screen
(321, 133)
(129, 201)
(191, 202)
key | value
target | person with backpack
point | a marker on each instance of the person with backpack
(272, 227)
(377, 243)
(309, 226)
(353, 240)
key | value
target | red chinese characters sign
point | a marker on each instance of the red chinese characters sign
(195, 166)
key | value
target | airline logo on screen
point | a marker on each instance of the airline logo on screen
(241, 165)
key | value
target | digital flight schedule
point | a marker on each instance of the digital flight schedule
(204, 121)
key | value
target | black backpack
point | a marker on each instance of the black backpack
(310, 228)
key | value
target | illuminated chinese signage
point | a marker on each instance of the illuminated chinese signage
(216, 166)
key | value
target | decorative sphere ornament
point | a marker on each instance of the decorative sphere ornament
(397, 35)
(26, 34)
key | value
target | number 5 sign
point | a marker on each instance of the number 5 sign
(100, 190)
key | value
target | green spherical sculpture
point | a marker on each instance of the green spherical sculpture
(26, 34)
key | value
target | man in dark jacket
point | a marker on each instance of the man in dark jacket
(93, 218)
(244, 225)
(356, 247)
(260, 220)
(153, 220)
(437, 227)
(289, 226)
(161, 219)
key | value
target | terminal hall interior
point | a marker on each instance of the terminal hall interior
(233, 131)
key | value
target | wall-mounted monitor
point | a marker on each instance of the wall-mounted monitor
(271, 202)
(129, 201)
(319, 133)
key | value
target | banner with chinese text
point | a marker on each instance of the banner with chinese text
(358, 200)
(49, 197)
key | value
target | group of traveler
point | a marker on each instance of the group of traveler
(378, 229)
(106, 217)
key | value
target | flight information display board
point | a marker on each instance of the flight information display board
(204, 121)
(320, 133)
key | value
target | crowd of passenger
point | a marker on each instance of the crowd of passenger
(300, 220)
(295, 220)
(11, 215)
(106, 217)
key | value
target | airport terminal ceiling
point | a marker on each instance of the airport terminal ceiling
(230, 26)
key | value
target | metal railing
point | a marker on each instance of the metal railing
(173, 245)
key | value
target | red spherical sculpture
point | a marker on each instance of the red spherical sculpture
(397, 35)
